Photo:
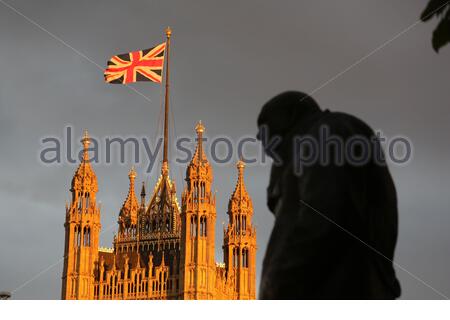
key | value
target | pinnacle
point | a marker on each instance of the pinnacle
(132, 173)
(199, 128)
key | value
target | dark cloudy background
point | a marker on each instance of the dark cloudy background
(229, 57)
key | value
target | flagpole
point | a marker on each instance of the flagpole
(165, 164)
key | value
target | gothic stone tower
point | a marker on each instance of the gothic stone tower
(240, 240)
(82, 227)
(198, 217)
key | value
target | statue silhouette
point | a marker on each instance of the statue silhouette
(335, 223)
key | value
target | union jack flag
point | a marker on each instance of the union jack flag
(144, 65)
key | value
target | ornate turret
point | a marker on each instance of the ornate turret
(82, 231)
(129, 212)
(240, 239)
(198, 218)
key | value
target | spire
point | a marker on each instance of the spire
(240, 190)
(240, 200)
(130, 205)
(143, 194)
(199, 157)
(84, 178)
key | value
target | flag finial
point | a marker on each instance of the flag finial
(168, 32)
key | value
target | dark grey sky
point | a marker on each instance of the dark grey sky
(229, 57)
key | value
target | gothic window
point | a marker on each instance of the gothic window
(236, 257)
(77, 236)
(87, 199)
(245, 258)
(237, 224)
(244, 224)
(193, 226)
(202, 192)
(87, 236)
(197, 190)
(203, 226)
(195, 193)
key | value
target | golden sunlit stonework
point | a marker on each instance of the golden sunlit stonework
(162, 250)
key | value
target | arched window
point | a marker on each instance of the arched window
(202, 192)
(196, 195)
(238, 223)
(245, 258)
(203, 226)
(87, 199)
(87, 236)
(236, 257)
(193, 226)
(77, 236)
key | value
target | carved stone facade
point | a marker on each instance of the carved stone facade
(162, 250)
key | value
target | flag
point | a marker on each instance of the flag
(144, 65)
